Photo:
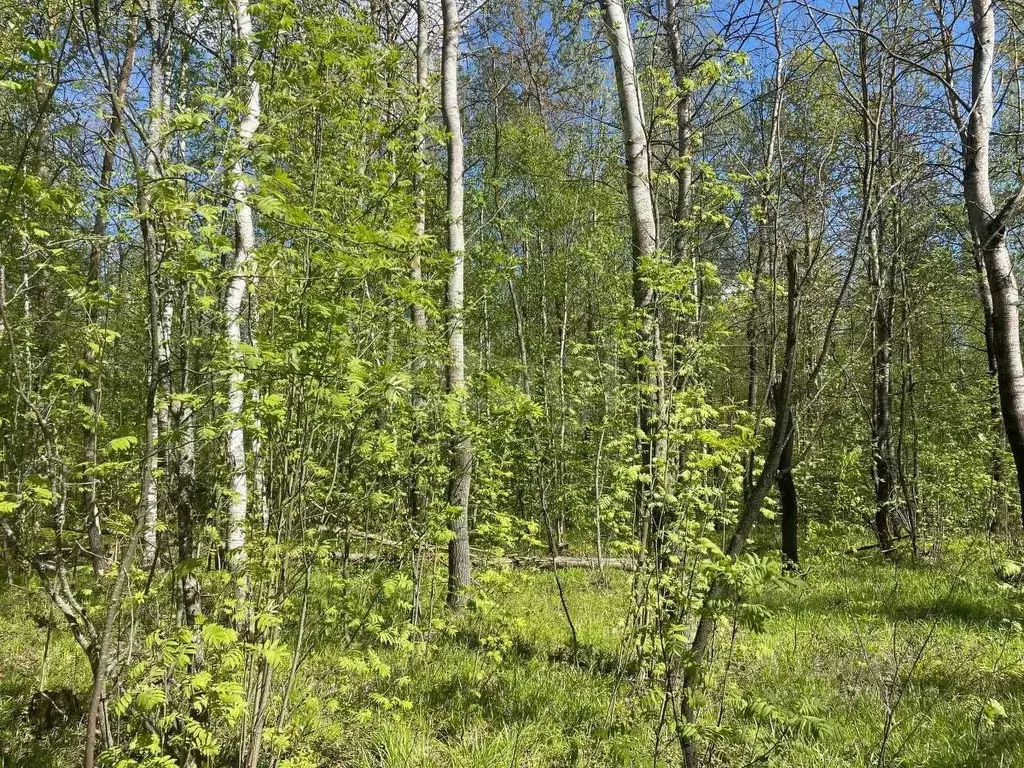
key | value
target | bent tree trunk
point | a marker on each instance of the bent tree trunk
(990, 224)
(1007, 352)
(461, 456)
(752, 504)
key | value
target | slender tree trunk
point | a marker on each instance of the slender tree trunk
(455, 374)
(883, 465)
(91, 367)
(787, 487)
(563, 337)
(675, 18)
(880, 279)
(99, 653)
(985, 295)
(908, 465)
(990, 225)
(242, 269)
(752, 505)
(524, 360)
(417, 507)
(598, 537)
(181, 453)
(419, 316)
(183, 469)
(767, 229)
(643, 222)
(153, 250)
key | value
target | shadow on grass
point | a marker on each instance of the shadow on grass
(39, 742)
(996, 746)
(923, 593)
(586, 658)
(462, 692)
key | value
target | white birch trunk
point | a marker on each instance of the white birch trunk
(241, 269)
(455, 379)
(643, 221)
(155, 403)
(990, 225)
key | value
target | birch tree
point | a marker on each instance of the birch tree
(156, 402)
(461, 458)
(991, 224)
(648, 368)
(243, 267)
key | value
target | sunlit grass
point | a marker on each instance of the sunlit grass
(919, 663)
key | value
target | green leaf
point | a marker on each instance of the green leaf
(122, 443)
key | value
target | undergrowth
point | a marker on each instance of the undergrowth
(858, 662)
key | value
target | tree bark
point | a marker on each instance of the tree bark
(242, 269)
(675, 18)
(648, 368)
(883, 464)
(766, 255)
(985, 295)
(419, 316)
(880, 279)
(787, 488)
(752, 504)
(91, 367)
(153, 250)
(417, 506)
(990, 224)
(461, 454)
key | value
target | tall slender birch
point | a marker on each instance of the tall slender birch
(242, 268)
(643, 223)
(461, 458)
(155, 404)
(990, 224)
(880, 279)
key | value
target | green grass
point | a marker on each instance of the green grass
(932, 649)
(22, 645)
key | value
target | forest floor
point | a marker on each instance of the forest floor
(919, 662)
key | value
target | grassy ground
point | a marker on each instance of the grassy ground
(920, 662)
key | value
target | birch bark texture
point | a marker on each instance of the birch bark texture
(461, 455)
(643, 225)
(154, 253)
(990, 225)
(242, 268)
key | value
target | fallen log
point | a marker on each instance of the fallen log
(518, 561)
(567, 561)
(867, 547)
(482, 557)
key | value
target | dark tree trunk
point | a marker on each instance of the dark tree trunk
(883, 467)
(787, 487)
(91, 372)
(752, 504)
